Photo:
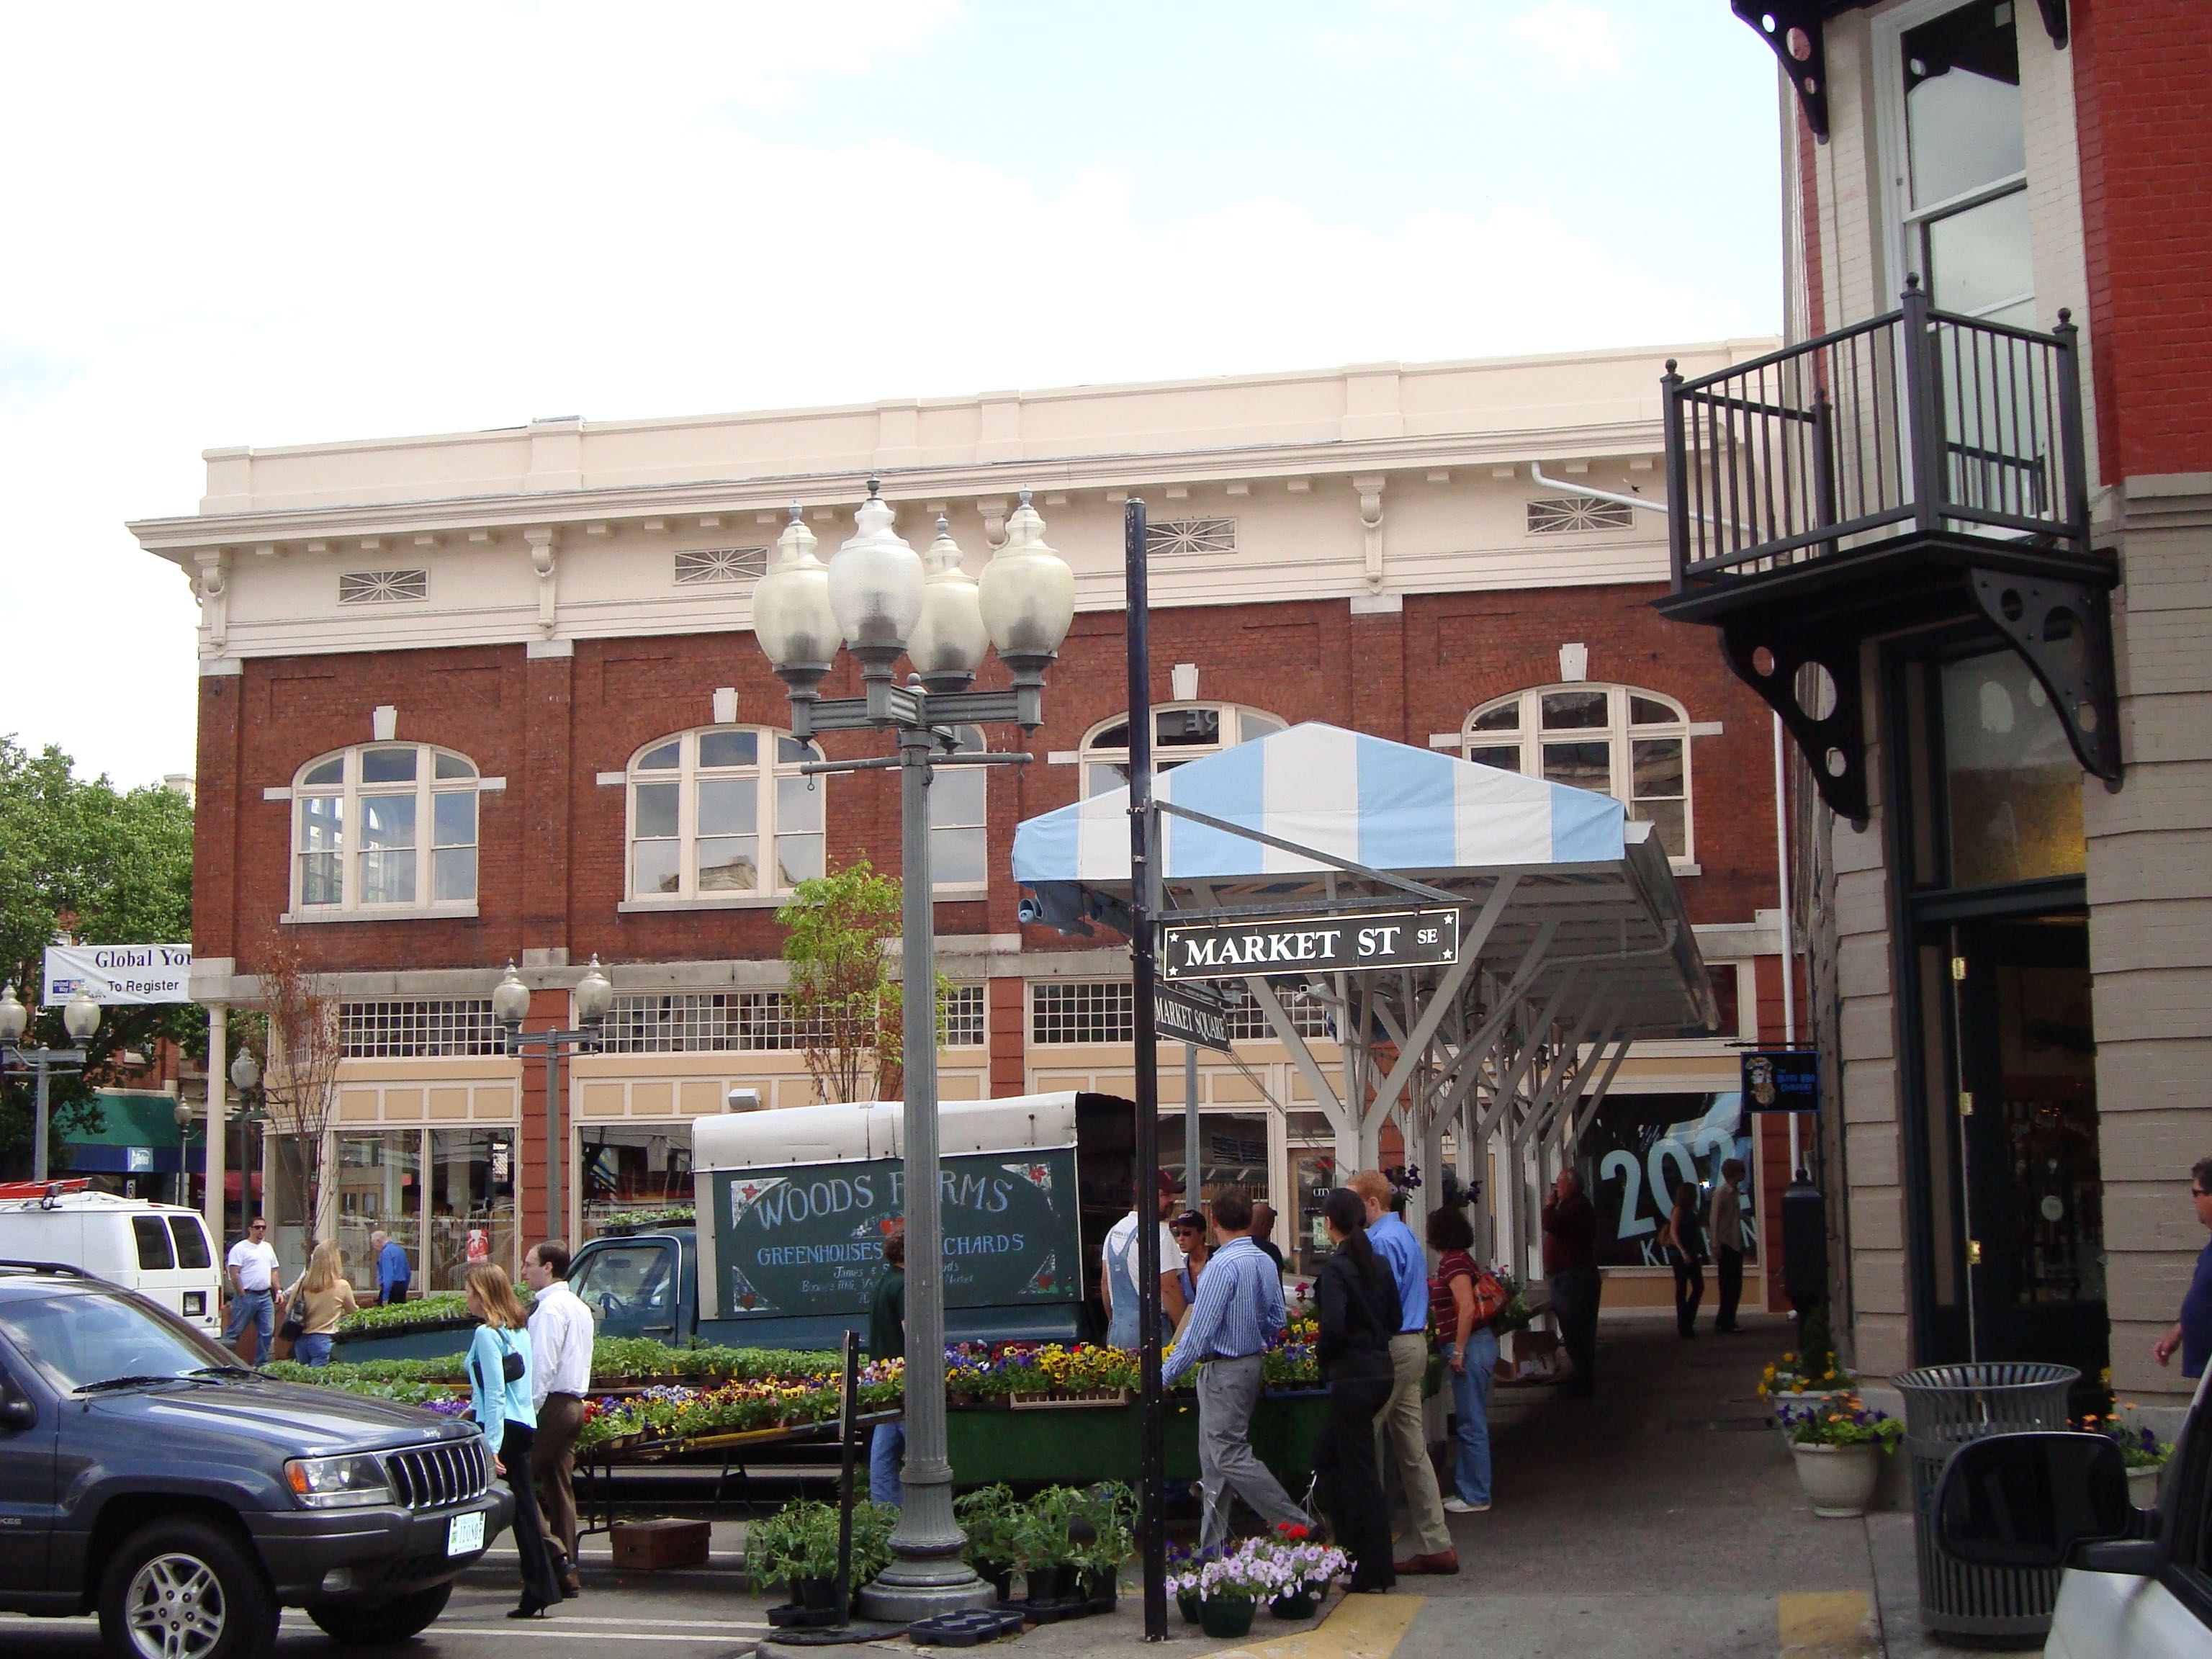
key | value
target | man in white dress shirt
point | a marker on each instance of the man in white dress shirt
(561, 1336)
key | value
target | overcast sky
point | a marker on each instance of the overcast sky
(234, 224)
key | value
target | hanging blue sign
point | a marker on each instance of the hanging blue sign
(1782, 1080)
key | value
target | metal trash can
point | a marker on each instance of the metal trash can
(1945, 1406)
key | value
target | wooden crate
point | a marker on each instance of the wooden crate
(652, 1546)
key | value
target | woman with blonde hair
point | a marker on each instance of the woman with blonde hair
(320, 1298)
(499, 1380)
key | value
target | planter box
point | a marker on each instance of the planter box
(1077, 1447)
(655, 1546)
(1052, 1403)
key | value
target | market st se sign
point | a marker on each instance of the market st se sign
(1352, 943)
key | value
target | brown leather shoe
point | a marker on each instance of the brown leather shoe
(1443, 1561)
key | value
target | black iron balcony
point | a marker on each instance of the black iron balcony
(1905, 471)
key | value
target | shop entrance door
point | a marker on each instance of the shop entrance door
(2034, 1208)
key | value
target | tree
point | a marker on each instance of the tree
(843, 998)
(303, 1046)
(83, 860)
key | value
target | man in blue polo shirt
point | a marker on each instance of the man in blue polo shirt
(1237, 1313)
(1399, 1424)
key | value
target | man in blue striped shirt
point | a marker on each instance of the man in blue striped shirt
(1238, 1312)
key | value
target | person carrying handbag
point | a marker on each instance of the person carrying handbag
(1683, 1239)
(1465, 1301)
(499, 1382)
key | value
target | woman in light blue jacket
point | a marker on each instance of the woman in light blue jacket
(499, 1379)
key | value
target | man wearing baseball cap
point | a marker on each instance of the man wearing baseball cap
(1117, 1284)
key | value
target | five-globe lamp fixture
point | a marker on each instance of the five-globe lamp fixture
(881, 600)
(80, 1019)
(510, 1005)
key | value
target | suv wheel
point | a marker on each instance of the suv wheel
(385, 1623)
(185, 1590)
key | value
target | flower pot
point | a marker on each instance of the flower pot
(999, 1576)
(1101, 1589)
(1225, 1620)
(1188, 1601)
(1300, 1605)
(1047, 1591)
(2142, 1487)
(1838, 1479)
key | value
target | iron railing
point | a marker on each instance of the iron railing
(1913, 423)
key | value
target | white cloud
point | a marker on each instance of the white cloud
(1578, 39)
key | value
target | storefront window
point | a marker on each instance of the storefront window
(1641, 1148)
(472, 1203)
(2012, 787)
(378, 1186)
(1313, 1176)
(620, 1168)
(1232, 1152)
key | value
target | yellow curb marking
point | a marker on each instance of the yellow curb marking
(1826, 1625)
(1360, 1627)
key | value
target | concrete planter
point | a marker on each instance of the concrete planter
(2142, 1487)
(1838, 1479)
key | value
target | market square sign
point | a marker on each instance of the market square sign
(1349, 943)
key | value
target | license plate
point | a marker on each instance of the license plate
(464, 1532)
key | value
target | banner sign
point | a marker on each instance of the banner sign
(1782, 1080)
(809, 1238)
(1354, 943)
(116, 975)
(1194, 1014)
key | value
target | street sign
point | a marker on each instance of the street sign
(1782, 1080)
(1194, 1014)
(1352, 943)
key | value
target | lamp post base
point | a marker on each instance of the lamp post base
(908, 1591)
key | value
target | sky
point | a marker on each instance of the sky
(275, 224)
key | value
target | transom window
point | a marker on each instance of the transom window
(384, 826)
(1615, 739)
(1181, 732)
(723, 813)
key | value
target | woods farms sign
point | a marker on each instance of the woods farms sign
(1286, 944)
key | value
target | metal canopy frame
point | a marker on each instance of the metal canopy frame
(1510, 1049)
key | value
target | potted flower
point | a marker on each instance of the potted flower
(797, 1546)
(1183, 1563)
(1230, 1587)
(1837, 1445)
(1103, 1526)
(1306, 1569)
(2142, 1452)
(990, 1516)
(1046, 1549)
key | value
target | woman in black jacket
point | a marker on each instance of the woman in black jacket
(1359, 1310)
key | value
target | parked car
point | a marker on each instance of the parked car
(2138, 1583)
(145, 1476)
(159, 1250)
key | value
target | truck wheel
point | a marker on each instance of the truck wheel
(185, 1590)
(386, 1622)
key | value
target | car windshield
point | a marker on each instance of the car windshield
(81, 1339)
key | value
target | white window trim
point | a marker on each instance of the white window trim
(427, 787)
(944, 893)
(684, 775)
(1619, 734)
(1093, 753)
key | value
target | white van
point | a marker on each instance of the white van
(159, 1250)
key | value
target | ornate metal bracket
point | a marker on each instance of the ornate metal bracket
(1822, 714)
(2063, 631)
(1792, 29)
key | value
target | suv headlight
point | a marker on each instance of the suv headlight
(337, 1483)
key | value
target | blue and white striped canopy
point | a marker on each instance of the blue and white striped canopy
(1357, 798)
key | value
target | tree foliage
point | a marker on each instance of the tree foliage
(844, 998)
(83, 860)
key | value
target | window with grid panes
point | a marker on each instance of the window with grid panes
(1181, 734)
(960, 1021)
(1615, 740)
(723, 813)
(417, 1029)
(1309, 1015)
(1066, 1010)
(957, 795)
(384, 826)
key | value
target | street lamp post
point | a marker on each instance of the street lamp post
(80, 1018)
(510, 1001)
(883, 601)
(252, 1108)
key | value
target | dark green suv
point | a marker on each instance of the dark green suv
(146, 1475)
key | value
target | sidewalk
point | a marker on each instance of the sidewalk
(1662, 1518)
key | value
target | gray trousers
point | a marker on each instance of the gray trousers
(1227, 1391)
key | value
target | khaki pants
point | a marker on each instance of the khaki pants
(553, 1464)
(1402, 1443)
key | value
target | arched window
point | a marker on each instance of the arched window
(385, 826)
(1617, 739)
(1181, 732)
(723, 813)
